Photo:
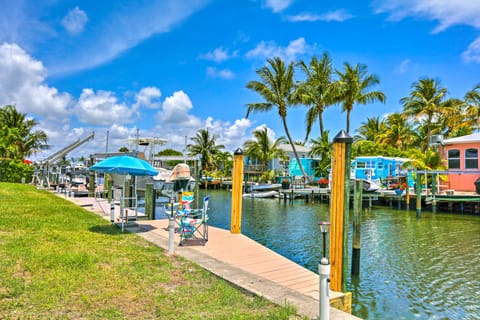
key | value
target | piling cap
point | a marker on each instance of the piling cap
(238, 151)
(343, 136)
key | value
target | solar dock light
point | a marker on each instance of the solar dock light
(324, 272)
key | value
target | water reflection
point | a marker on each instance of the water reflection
(423, 269)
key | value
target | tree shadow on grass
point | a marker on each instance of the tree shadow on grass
(110, 229)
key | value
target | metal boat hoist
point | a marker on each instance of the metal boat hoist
(41, 175)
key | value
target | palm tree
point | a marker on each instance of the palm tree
(262, 148)
(370, 129)
(322, 148)
(352, 88)
(18, 139)
(472, 101)
(278, 89)
(398, 132)
(425, 103)
(205, 145)
(317, 91)
(224, 161)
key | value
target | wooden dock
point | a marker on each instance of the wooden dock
(242, 261)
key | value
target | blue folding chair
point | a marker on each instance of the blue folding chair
(194, 224)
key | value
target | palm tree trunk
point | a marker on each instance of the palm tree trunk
(348, 120)
(284, 121)
(320, 122)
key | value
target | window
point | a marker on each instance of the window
(361, 164)
(454, 159)
(471, 159)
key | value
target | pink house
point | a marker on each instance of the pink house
(461, 157)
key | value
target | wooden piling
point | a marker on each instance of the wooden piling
(91, 184)
(434, 192)
(418, 185)
(150, 199)
(237, 182)
(356, 244)
(339, 208)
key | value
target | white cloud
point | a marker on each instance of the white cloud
(148, 97)
(270, 49)
(215, 73)
(124, 29)
(472, 54)
(75, 21)
(175, 111)
(278, 5)
(102, 108)
(337, 16)
(22, 80)
(403, 66)
(218, 55)
(447, 13)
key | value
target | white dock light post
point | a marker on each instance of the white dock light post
(171, 227)
(324, 271)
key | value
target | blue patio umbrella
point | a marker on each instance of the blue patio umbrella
(125, 165)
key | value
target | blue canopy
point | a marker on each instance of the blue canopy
(125, 165)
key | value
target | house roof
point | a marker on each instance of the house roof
(474, 137)
(288, 148)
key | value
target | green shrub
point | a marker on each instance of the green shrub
(15, 170)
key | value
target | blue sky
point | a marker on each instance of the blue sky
(169, 68)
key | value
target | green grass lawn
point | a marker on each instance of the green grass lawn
(58, 260)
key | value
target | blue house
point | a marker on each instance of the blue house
(379, 169)
(309, 165)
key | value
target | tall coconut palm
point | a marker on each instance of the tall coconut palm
(277, 87)
(317, 91)
(204, 144)
(472, 101)
(18, 134)
(398, 132)
(263, 148)
(426, 103)
(352, 87)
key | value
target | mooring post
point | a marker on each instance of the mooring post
(171, 228)
(109, 186)
(418, 185)
(150, 201)
(407, 195)
(356, 244)
(91, 184)
(237, 181)
(434, 192)
(339, 208)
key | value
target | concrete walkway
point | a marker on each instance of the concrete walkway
(239, 260)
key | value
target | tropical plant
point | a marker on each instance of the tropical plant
(317, 91)
(18, 139)
(426, 103)
(352, 87)
(224, 162)
(205, 145)
(398, 132)
(472, 102)
(263, 148)
(322, 148)
(277, 87)
(370, 129)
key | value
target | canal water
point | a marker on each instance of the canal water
(427, 268)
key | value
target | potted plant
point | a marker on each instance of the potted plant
(285, 184)
(323, 182)
(400, 187)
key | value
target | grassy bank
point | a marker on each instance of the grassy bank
(58, 260)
